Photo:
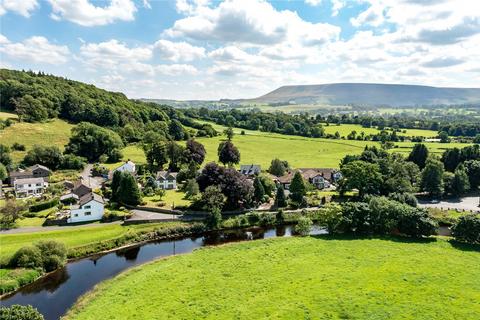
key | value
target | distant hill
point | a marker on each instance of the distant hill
(370, 94)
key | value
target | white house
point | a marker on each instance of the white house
(29, 187)
(166, 180)
(90, 207)
(128, 166)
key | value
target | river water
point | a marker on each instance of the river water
(54, 294)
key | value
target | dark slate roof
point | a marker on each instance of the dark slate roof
(89, 197)
(250, 169)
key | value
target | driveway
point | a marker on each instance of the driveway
(93, 182)
(466, 203)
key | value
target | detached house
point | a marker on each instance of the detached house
(90, 207)
(128, 166)
(166, 180)
(31, 181)
(320, 178)
(250, 169)
(29, 187)
(35, 171)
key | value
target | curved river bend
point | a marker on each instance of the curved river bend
(54, 294)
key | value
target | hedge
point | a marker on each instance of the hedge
(44, 205)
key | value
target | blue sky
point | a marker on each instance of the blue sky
(201, 49)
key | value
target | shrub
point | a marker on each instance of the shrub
(214, 220)
(48, 255)
(44, 205)
(304, 226)
(18, 147)
(253, 218)
(280, 217)
(27, 257)
(467, 229)
(18, 312)
(267, 219)
(417, 223)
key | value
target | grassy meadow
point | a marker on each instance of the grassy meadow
(54, 132)
(297, 278)
(345, 129)
(172, 198)
(261, 147)
(72, 236)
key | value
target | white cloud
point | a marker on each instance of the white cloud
(112, 53)
(337, 5)
(84, 13)
(22, 7)
(253, 22)
(178, 51)
(35, 49)
(373, 16)
(313, 2)
(176, 69)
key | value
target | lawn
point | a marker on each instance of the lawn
(172, 198)
(71, 236)
(55, 132)
(297, 278)
(8, 115)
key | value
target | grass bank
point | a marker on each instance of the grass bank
(298, 278)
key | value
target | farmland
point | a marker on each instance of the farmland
(261, 147)
(54, 132)
(286, 278)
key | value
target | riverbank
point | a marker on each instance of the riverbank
(284, 278)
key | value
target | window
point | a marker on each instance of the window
(75, 215)
(88, 213)
(88, 207)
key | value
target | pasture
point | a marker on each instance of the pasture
(297, 278)
(261, 147)
(54, 132)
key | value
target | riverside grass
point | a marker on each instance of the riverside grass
(298, 278)
(76, 237)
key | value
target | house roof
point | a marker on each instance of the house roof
(80, 188)
(250, 168)
(89, 197)
(38, 166)
(29, 181)
(166, 175)
(308, 173)
(20, 173)
(131, 163)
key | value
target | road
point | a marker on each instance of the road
(466, 203)
(150, 215)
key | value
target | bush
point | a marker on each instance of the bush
(280, 217)
(417, 223)
(18, 312)
(48, 255)
(467, 229)
(267, 219)
(44, 205)
(27, 257)
(18, 147)
(304, 226)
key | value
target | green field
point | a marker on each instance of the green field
(55, 132)
(345, 129)
(297, 278)
(72, 236)
(172, 198)
(261, 147)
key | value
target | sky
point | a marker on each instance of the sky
(202, 49)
